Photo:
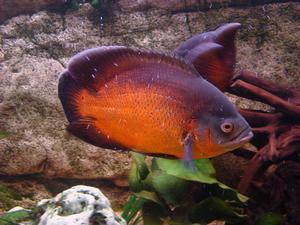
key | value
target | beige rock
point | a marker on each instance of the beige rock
(183, 6)
(12, 8)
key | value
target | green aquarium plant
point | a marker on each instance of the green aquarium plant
(17, 216)
(7, 197)
(4, 134)
(165, 191)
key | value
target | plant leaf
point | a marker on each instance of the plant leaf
(125, 214)
(270, 219)
(172, 189)
(153, 214)
(95, 3)
(180, 216)
(205, 173)
(135, 181)
(15, 217)
(141, 164)
(152, 196)
(4, 134)
(138, 172)
(213, 208)
(133, 206)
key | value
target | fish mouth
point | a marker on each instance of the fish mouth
(244, 137)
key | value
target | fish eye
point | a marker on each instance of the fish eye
(227, 127)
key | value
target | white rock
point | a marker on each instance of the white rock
(17, 208)
(79, 205)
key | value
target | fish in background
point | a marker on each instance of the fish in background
(117, 97)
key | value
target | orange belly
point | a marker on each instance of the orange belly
(146, 120)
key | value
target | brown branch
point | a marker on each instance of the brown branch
(255, 165)
(256, 93)
(281, 127)
(286, 93)
(258, 118)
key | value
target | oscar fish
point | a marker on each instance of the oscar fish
(117, 97)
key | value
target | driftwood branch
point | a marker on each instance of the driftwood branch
(277, 133)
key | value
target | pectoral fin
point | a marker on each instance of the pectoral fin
(188, 152)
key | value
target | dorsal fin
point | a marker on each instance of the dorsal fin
(205, 51)
(206, 59)
(97, 66)
(224, 36)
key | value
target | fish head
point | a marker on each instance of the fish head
(220, 129)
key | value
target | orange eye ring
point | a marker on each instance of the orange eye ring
(227, 127)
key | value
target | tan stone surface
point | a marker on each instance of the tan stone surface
(10, 8)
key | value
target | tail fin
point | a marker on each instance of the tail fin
(68, 91)
(83, 127)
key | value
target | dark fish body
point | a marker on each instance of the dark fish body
(122, 98)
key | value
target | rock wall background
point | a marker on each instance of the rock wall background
(35, 48)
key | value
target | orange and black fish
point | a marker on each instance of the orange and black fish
(212, 54)
(121, 98)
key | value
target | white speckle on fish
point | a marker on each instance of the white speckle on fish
(221, 108)
(106, 86)
(93, 76)
(115, 64)
(88, 126)
(95, 69)
(107, 136)
(87, 58)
